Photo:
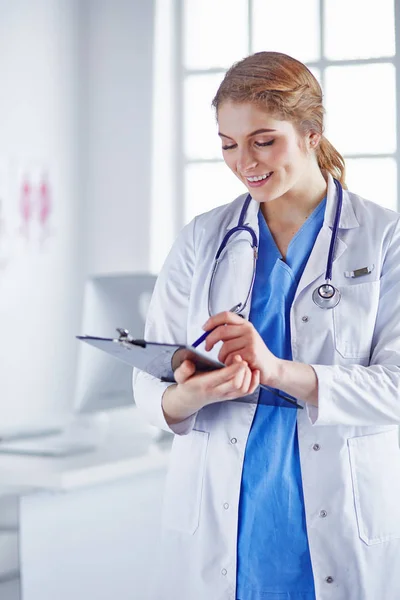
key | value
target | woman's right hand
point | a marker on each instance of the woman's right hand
(194, 391)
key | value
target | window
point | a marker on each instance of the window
(350, 46)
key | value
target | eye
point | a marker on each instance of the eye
(229, 147)
(263, 144)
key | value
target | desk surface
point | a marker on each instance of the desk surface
(118, 456)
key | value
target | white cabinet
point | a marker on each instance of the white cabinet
(97, 542)
(85, 532)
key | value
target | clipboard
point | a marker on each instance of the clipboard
(161, 360)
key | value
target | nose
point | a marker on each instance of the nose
(246, 161)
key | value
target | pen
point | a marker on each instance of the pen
(201, 339)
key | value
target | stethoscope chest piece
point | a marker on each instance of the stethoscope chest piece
(326, 296)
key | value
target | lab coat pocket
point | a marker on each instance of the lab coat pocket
(375, 471)
(354, 319)
(184, 486)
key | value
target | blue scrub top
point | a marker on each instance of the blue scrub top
(273, 554)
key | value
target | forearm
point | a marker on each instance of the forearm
(298, 380)
(175, 408)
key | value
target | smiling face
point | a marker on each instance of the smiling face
(267, 154)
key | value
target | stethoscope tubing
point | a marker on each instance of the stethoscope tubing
(326, 295)
(329, 264)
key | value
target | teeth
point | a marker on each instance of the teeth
(258, 178)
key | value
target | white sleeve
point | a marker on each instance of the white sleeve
(167, 322)
(358, 395)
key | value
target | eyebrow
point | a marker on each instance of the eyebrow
(256, 132)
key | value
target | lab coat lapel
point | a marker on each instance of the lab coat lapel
(317, 263)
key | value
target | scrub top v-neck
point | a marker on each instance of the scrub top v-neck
(273, 554)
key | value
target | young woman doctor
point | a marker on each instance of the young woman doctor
(263, 501)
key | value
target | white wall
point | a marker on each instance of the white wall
(117, 71)
(39, 286)
(75, 100)
(165, 160)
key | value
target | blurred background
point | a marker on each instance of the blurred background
(108, 147)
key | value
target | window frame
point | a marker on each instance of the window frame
(322, 64)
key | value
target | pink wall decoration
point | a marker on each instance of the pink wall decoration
(26, 206)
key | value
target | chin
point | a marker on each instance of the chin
(260, 195)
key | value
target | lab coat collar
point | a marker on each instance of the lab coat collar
(251, 217)
(348, 219)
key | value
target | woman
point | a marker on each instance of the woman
(263, 500)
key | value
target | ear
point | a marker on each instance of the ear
(313, 139)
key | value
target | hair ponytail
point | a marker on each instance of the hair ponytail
(330, 160)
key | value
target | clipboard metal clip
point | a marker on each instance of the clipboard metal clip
(124, 335)
(127, 340)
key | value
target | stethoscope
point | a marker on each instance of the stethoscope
(324, 296)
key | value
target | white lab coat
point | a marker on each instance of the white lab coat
(349, 451)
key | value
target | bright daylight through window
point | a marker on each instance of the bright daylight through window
(350, 47)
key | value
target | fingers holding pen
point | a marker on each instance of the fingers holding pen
(239, 336)
(222, 333)
(223, 318)
(224, 325)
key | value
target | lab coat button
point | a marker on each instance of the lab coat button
(316, 447)
(323, 514)
(305, 319)
(224, 571)
(226, 506)
(329, 579)
(233, 440)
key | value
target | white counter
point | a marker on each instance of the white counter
(115, 459)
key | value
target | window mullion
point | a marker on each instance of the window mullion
(250, 25)
(322, 42)
(182, 72)
(397, 67)
(180, 163)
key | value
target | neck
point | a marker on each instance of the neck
(298, 203)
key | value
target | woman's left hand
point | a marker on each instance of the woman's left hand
(240, 337)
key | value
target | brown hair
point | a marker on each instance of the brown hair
(286, 88)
